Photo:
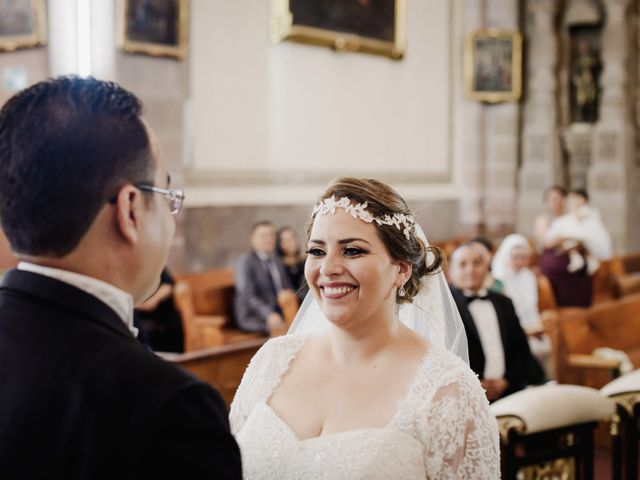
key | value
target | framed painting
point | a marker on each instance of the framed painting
(493, 66)
(371, 26)
(23, 24)
(154, 27)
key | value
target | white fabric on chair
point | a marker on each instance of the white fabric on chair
(554, 406)
(629, 383)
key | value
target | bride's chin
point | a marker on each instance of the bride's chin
(338, 319)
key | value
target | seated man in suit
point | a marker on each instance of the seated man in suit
(86, 204)
(260, 279)
(498, 348)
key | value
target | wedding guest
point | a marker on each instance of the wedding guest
(304, 408)
(554, 201)
(288, 248)
(158, 320)
(485, 247)
(260, 278)
(498, 348)
(86, 203)
(511, 266)
(575, 243)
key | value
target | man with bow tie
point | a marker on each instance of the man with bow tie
(498, 348)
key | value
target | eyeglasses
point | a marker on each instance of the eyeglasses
(175, 197)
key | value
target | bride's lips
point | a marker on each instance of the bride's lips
(336, 290)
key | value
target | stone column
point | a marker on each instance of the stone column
(502, 142)
(472, 137)
(490, 139)
(613, 176)
(577, 140)
(541, 157)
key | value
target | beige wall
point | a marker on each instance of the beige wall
(293, 116)
(255, 130)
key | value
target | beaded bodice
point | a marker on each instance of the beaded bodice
(442, 428)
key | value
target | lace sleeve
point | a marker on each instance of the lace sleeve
(460, 433)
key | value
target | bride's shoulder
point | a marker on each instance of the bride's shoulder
(277, 350)
(445, 368)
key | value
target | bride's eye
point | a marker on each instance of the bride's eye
(354, 251)
(315, 252)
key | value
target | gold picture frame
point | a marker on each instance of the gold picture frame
(158, 27)
(493, 66)
(23, 24)
(370, 27)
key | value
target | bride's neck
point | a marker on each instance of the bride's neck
(364, 343)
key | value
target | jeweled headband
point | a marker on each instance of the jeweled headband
(401, 221)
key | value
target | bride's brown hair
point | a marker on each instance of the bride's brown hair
(383, 200)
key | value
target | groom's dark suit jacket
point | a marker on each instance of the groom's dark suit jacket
(81, 399)
(517, 355)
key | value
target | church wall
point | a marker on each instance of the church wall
(255, 130)
(274, 123)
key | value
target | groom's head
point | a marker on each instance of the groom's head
(72, 153)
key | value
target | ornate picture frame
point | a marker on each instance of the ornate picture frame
(493, 66)
(154, 27)
(370, 26)
(23, 24)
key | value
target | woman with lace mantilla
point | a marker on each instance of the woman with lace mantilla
(366, 384)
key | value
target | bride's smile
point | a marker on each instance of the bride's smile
(336, 290)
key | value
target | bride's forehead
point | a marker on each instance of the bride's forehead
(339, 224)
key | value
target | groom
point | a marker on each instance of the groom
(86, 204)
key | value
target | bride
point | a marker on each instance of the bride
(363, 386)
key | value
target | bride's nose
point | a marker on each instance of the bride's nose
(331, 265)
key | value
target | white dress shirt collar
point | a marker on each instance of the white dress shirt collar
(120, 301)
(483, 292)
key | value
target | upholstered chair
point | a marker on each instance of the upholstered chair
(548, 431)
(625, 391)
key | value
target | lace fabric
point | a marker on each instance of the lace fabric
(442, 429)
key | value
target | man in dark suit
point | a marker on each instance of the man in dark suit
(498, 348)
(260, 279)
(86, 205)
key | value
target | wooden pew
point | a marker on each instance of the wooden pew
(221, 367)
(630, 263)
(546, 297)
(205, 303)
(614, 324)
(626, 284)
(615, 277)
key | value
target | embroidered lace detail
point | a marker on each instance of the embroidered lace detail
(263, 375)
(442, 429)
(359, 210)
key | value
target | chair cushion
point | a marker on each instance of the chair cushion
(554, 406)
(629, 383)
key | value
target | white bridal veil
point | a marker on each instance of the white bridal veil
(433, 314)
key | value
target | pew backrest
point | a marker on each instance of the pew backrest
(222, 367)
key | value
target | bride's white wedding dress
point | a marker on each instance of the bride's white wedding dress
(442, 428)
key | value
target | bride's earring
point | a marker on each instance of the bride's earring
(402, 292)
